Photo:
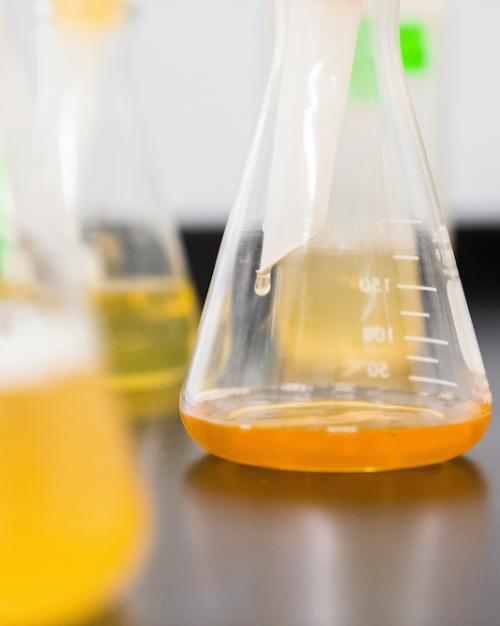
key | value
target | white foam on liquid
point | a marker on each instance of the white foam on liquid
(37, 345)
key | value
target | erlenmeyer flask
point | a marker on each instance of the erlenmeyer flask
(90, 141)
(73, 510)
(353, 349)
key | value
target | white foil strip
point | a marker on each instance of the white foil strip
(317, 55)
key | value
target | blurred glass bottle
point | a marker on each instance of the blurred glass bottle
(73, 512)
(89, 131)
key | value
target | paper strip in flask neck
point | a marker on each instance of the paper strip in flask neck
(316, 52)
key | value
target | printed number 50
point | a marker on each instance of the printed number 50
(378, 369)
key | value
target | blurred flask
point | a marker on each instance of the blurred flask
(91, 155)
(74, 519)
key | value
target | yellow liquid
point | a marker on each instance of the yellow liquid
(335, 436)
(73, 516)
(338, 318)
(150, 328)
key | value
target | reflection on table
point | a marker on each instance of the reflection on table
(241, 546)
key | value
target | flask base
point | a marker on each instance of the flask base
(337, 436)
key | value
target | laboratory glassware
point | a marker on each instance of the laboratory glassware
(336, 335)
(91, 145)
(74, 513)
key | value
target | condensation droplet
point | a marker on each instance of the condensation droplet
(263, 283)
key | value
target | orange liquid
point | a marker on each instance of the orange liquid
(73, 514)
(351, 441)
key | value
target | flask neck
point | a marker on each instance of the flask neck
(76, 64)
(383, 16)
(84, 86)
(307, 98)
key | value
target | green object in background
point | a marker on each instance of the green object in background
(415, 52)
(414, 47)
(364, 85)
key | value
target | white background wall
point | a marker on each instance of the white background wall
(475, 109)
(200, 70)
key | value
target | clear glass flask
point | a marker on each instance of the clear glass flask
(74, 519)
(91, 145)
(336, 335)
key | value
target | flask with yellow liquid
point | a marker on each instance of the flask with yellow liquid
(74, 519)
(336, 335)
(91, 154)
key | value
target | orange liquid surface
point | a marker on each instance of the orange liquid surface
(334, 447)
(73, 514)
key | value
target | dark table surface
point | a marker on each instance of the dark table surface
(237, 546)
